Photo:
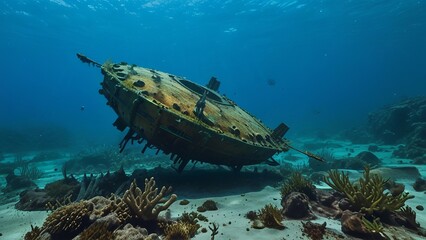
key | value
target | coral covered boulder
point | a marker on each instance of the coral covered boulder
(296, 206)
(352, 224)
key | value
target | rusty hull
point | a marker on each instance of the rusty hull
(160, 108)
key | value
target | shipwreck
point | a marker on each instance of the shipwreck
(186, 120)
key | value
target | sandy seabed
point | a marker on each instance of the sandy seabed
(232, 208)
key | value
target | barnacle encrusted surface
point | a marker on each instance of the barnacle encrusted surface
(367, 194)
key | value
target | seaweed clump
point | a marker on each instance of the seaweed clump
(298, 183)
(314, 230)
(367, 195)
(271, 217)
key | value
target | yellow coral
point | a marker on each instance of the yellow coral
(180, 231)
(68, 220)
(367, 195)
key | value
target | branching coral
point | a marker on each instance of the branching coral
(144, 204)
(375, 228)
(410, 217)
(271, 217)
(367, 195)
(297, 183)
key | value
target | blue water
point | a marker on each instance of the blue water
(332, 61)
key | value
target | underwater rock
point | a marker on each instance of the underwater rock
(358, 162)
(296, 206)
(325, 198)
(33, 200)
(373, 148)
(68, 186)
(56, 192)
(184, 202)
(208, 205)
(368, 158)
(344, 204)
(400, 122)
(415, 143)
(420, 185)
(394, 188)
(15, 182)
(315, 231)
(257, 224)
(352, 224)
(395, 173)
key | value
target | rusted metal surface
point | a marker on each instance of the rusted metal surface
(186, 120)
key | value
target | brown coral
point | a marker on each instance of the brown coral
(98, 230)
(69, 220)
(315, 231)
(180, 231)
(144, 204)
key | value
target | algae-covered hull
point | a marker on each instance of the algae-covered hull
(189, 121)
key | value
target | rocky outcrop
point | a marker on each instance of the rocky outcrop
(404, 122)
(296, 206)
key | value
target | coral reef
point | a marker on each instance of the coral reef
(297, 183)
(103, 218)
(403, 122)
(368, 194)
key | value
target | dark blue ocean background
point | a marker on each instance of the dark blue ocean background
(315, 65)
